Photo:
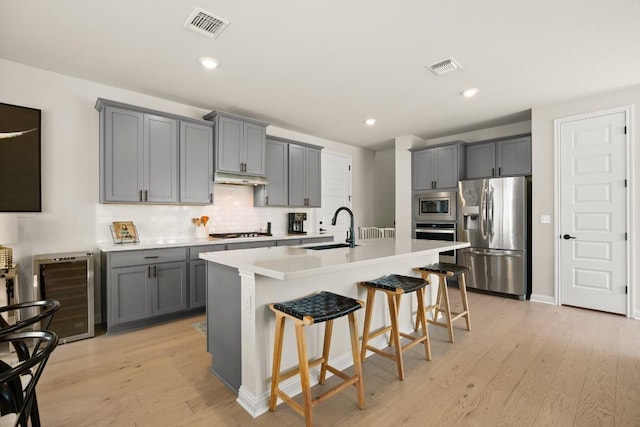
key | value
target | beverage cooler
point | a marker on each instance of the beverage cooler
(67, 278)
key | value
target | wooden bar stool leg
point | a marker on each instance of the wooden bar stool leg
(371, 293)
(446, 307)
(437, 308)
(328, 330)
(465, 301)
(277, 357)
(423, 322)
(357, 364)
(395, 334)
(304, 374)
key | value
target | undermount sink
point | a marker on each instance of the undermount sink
(331, 246)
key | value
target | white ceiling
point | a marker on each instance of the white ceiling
(321, 67)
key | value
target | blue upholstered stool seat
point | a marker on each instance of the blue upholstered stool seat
(319, 307)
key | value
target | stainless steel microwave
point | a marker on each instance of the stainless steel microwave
(435, 206)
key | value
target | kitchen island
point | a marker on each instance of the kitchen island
(241, 285)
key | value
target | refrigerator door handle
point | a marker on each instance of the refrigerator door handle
(490, 209)
(483, 208)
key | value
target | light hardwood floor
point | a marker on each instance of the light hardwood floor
(523, 364)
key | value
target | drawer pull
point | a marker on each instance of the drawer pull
(152, 256)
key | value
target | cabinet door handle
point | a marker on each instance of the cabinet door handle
(499, 171)
(140, 196)
(146, 195)
(210, 197)
(493, 171)
(149, 271)
(155, 271)
(266, 200)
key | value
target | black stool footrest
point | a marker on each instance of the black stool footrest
(445, 267)
(321, 306)
(393, 282)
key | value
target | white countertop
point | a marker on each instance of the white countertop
(292, 262)
(174, 243)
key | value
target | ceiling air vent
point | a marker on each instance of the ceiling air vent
(206, 23)
(445, 66)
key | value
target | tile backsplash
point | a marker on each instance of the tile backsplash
(232, 210)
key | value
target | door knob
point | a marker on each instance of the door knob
(567, 237)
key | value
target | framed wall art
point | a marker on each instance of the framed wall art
(20, 159)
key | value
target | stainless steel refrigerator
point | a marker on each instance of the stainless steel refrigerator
(494, 217)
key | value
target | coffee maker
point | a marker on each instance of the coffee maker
(296, 222)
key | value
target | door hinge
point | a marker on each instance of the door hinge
(626, 289)
(625, 183)
(349, 198)
(349, 167)
(626, 236)
(625, 130)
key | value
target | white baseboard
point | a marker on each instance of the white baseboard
(636, 314)
(544, 299)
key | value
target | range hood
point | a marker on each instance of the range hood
(238, 179)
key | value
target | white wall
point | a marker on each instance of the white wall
(542, 127)
(71, 217)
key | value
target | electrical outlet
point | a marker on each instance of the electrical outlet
(545, 219)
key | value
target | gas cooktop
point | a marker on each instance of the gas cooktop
(239, 235)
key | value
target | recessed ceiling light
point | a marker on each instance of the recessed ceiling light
(470, 93)
(370, 122)
(208, 62)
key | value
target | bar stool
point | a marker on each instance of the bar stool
(444, 270)
(316, 308)
(394, 286)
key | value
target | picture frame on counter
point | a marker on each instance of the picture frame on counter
(124, 232)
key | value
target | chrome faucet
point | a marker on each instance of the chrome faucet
(350, 238)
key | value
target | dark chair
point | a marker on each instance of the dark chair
(16, 403)
(45, 311)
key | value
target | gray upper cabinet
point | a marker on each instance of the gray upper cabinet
(140, 157)
(275, 193)
(121, 155)
(304, 176)
(240, 143)
(506, 157)
(160, 158)
(196, 163)
(146, 156)
(437, 167)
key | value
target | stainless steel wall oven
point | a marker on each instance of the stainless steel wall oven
(445, 231)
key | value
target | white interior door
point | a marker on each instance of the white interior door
(593, 212)
(336, 192)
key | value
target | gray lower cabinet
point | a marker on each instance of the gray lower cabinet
(505, 157)
(143, 287)
(437, 167)
(196, 163)
(276, 193)
(198, 274)
(304, 176)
